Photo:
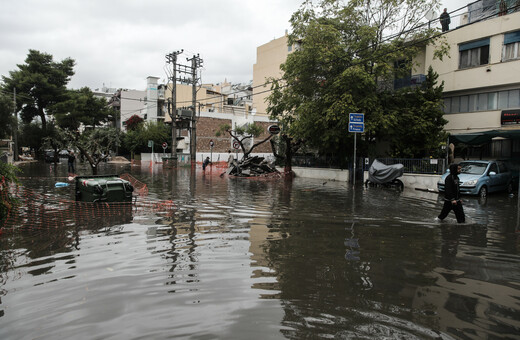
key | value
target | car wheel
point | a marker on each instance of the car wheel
(483, 191)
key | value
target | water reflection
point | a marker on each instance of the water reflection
(236, 258)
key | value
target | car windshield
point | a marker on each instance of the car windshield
(473, 168)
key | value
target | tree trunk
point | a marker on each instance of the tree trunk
(288, 157)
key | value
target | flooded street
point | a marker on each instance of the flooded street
(206, 257)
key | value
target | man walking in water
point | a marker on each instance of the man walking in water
(452, 199)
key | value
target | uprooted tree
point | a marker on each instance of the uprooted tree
(244, 135)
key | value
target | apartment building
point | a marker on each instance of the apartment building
(269, 57)
(481, 82)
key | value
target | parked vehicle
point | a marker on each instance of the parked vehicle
(380, 174)
(482, 177)
(49, 156)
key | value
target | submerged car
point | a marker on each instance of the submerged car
(482, 177)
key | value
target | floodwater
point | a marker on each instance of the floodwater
(236, 258)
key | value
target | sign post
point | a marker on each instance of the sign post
(150, 144)
(164, 146)
(211, 143)
(356, 123)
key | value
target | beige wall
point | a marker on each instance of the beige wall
(268, 59)
(478, 77)
(183, 95)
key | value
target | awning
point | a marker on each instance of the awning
(483, 137)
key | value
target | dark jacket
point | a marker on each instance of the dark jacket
(451, 184)
(445, 18)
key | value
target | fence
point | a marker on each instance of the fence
(411, 165)
(417, 166)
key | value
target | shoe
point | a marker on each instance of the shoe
(436, 219)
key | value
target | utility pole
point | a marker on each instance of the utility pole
(196, 62)
(15, 130)
(172, 58)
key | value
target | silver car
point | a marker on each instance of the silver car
(482, 177)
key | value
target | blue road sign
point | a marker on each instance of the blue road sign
(356, 127)
(356, 118)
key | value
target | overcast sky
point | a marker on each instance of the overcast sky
(118, 43)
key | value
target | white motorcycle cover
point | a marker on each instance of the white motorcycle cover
(380, 173)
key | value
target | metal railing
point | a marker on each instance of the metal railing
(411, 165)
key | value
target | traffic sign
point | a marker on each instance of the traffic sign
(273, 129)
(356, 127)
(164, 145)
(211, 143)
(236, 145)
(356, 118)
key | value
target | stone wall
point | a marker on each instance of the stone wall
(206, 131)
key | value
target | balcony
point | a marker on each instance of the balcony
(413, 81)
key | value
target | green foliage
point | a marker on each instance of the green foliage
(31, 135)
(56, 139)
(81, 107)
(417, 130)
(137, 139)
(341, 66)
(6, 116)
(39, 83)
(156, 131)
(244, 135)
(7, 177)
(96, 144)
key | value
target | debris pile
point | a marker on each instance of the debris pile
(250, 167)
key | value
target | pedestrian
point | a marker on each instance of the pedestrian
(452, 199)
(445, 20)
(71, 160)
(205, 163)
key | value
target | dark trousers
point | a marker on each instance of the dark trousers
(71, 167)
(457, 209)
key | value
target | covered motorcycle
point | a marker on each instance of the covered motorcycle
(386, 175)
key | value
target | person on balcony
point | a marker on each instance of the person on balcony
(445, 20)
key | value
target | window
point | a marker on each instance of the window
(474, 53)
(482, 101)
(455, 105)
(447, 105)
(511, 51)
(514, 99)
(492, 101)
(473, 103)
(509, 99)
(464, 102)
(511, 46)
(503, 98)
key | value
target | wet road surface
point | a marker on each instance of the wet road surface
(235, 258)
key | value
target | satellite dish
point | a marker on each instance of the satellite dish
(430, 15)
